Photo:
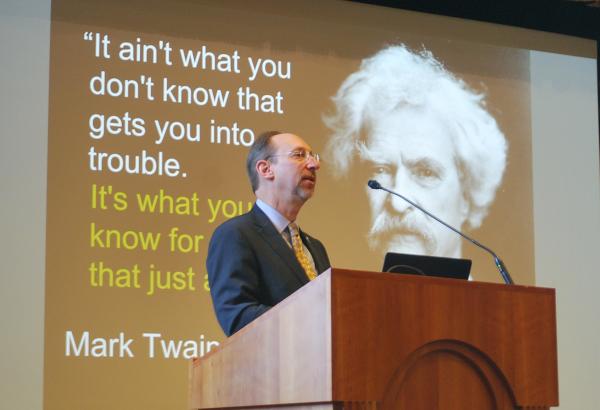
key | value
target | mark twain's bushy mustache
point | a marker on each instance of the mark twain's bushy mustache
(386, 226)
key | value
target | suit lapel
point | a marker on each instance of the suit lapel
(273, 238)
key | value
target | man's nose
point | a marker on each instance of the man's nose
(312, 163)
(399, 205)
(401, 185)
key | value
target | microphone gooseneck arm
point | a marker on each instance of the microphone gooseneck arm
(499, 264)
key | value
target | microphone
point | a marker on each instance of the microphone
(499, 264)
(374, 184)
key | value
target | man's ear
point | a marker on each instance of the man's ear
(264, 169)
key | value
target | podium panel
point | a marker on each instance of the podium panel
(363, 340)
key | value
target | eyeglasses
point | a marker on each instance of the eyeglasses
(299, 155)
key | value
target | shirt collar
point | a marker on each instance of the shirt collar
(279, 221)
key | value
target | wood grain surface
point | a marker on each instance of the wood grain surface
(362, 340)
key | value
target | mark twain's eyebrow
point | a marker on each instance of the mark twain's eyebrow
(425, 161)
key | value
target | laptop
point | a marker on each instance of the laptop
(427, 265)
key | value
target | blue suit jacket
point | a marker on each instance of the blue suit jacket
(251, 268)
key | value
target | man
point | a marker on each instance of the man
(423, 133)
(258, 259)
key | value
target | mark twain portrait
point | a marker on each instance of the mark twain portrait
(420, 131)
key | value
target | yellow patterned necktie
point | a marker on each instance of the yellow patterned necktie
(299, 251)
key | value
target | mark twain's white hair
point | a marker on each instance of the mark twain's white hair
(397, 77)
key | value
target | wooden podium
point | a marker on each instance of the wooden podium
(362, 340)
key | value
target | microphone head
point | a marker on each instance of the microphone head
(373, 184)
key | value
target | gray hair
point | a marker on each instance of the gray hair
(261, 149)
(397, 77)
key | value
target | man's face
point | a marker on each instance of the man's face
(411, 153)
(295, 177)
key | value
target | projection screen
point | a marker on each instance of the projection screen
(152, 108)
